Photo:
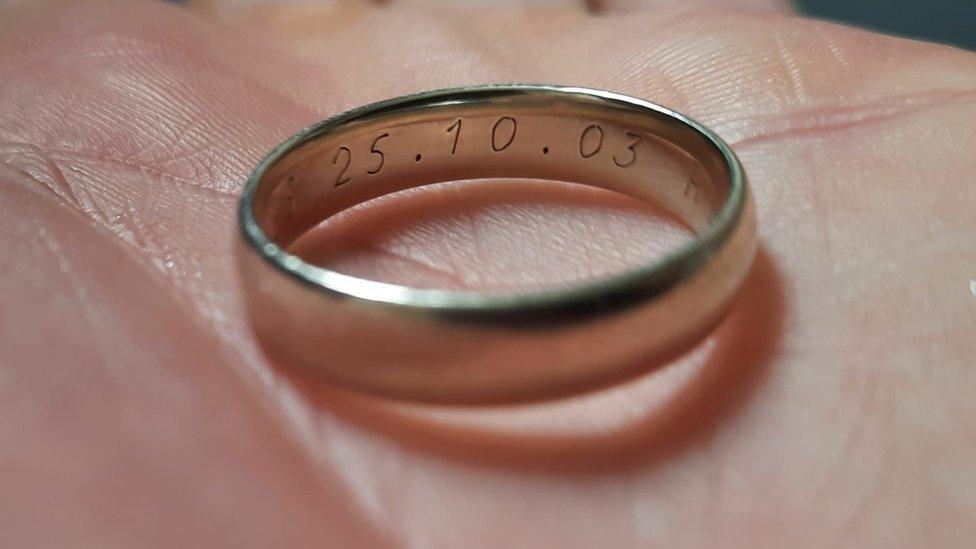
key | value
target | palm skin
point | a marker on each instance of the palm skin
(833, 408)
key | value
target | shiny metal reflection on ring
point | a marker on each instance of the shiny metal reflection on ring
(470, 346)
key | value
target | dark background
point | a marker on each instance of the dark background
(949, 21)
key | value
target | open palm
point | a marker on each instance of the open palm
(834, 407)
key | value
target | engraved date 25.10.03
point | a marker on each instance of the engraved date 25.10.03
(502, 137)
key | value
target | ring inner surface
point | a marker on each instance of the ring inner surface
(569, 137)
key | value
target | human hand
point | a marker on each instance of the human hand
(832, 408)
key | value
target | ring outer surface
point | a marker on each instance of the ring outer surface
(473, 347)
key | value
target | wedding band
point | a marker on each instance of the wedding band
(460, 346)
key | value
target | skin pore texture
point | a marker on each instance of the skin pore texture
(833, 408)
